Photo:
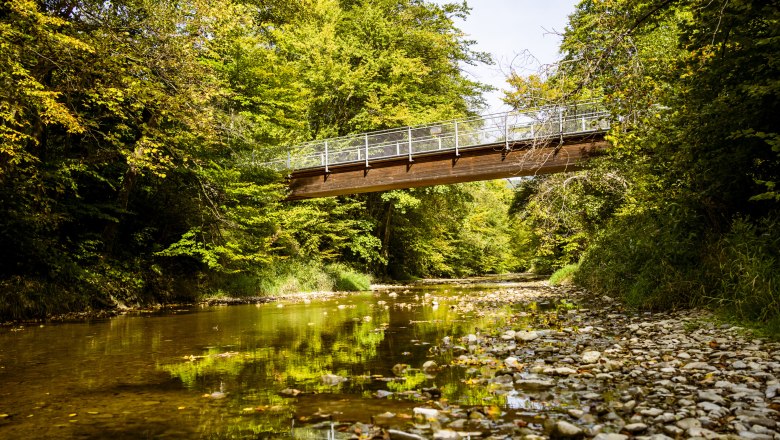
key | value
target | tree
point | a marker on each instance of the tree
(695, 87)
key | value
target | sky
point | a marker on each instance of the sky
(511, 30)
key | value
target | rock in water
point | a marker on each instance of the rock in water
(430, 367)
(400, 369)
(446, 434)
(426, 413)
(292, 392)
(332, 379)
(402, 435)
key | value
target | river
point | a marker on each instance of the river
(269, 370)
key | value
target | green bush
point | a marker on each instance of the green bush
(346, 279)
(651, 259)
(294, 276)
(662, 260)
(745, 264)
(564, 275)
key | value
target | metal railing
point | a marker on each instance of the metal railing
(540, 124)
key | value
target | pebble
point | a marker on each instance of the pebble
(699, 366)
(635, 427)
(526, 336)
(512, 362)
(652, 412)
(603, 436)
(590, 357)
(564, 429)
(534, 384)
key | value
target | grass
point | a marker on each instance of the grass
(666, 261)
(346, 279)
(564, 275)
(292, 277)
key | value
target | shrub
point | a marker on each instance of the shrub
(564, 275)
(744, 265)
(651, 259)
(346, 279)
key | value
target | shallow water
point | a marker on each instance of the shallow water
(223, 372)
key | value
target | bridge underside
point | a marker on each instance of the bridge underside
(485, 162)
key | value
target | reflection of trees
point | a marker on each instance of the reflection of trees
(283, 350)
(295, 346)
(292, 358)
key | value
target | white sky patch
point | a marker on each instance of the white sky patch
(519, 34)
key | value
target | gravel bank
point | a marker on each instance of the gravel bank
(581, 366)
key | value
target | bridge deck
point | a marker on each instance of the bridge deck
(537, 141)
(484, 162)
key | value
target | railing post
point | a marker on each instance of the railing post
(583, 123)
(506, 131)
(457, 144)
(397, 148)
(560, 120)
(409, 134)
(326, 157)
(366, 150)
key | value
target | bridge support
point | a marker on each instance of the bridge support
(438, 168)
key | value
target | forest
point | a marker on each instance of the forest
(121, 123)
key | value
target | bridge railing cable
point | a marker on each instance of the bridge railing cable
(501, 129)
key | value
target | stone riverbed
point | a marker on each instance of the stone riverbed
(589, 368)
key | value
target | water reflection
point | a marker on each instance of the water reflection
(240, 371)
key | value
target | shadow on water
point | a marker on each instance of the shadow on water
(253, 370)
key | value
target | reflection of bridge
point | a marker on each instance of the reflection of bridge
(540, 141)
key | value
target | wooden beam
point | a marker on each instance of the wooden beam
(481, 163)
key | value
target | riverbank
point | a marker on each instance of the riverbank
(91, 314)
(588, 367)
(286, 295)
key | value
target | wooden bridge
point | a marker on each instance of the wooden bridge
(545, 140)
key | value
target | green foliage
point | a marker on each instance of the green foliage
(744, 265)
(558, 214)
(294, 276)
(121, 124)
(564, 275)
(683, 209)
(380, 64)
(648, 258)
(445, 231)
(291, 277)
(346, 279)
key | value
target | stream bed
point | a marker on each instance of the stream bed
(460, 360)
(241, 371)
